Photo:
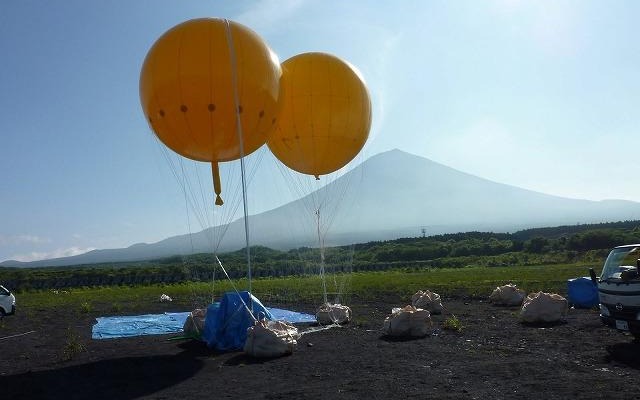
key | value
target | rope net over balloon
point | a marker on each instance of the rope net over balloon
(208, 225)
(309, 225)
(323, 124)
(209, 89)
(214, 92)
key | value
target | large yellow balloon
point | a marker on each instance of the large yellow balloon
(202, 81)
(325, 117)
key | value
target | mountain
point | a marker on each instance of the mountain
(390, 195)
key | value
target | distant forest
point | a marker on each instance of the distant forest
(540, 246)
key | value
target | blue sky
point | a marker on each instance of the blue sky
(538, 94)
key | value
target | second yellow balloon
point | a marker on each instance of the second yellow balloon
(325, 117)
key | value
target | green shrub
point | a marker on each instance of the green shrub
(453, 324)
(72, 346)
(85, 307)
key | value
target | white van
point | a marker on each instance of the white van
(7, 302)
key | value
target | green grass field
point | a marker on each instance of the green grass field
(396, 285)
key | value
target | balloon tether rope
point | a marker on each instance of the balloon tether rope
(321, 247)
(234, 78)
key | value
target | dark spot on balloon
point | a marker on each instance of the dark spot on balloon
(150, 120)
(211, 107)
(161, 113)
(273, 121)
(183, 108)
(239, 109)
(261, 114)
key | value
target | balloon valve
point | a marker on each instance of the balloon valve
(317, 177)
(219, 201)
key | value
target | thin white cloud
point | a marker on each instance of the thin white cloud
(507, 7)
(32, 239)
(266, 15)
(556, 28)
(382, 74)
(7, 240)
(553, 26)
(484, 139)
(488, 147)
(35, 256)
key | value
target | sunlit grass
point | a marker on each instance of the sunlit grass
(365, 286)
(470, 281)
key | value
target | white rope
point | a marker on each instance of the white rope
(319, 329)
(321, 201)
(249, 310)
(234, 84)
(19, 334)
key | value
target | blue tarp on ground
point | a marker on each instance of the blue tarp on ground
(582, 292)
(138, 325)
(167, 323)
(292, 317)
(226, 323)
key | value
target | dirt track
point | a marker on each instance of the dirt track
(494, 357)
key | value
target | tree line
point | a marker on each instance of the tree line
(564, 244)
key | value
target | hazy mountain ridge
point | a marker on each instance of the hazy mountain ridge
(392, 194)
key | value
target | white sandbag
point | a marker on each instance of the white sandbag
(194, 324)
(507, 295)
(427, 300)
(268, 339)
(333, 314)
(543, 307)
(407, 322)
